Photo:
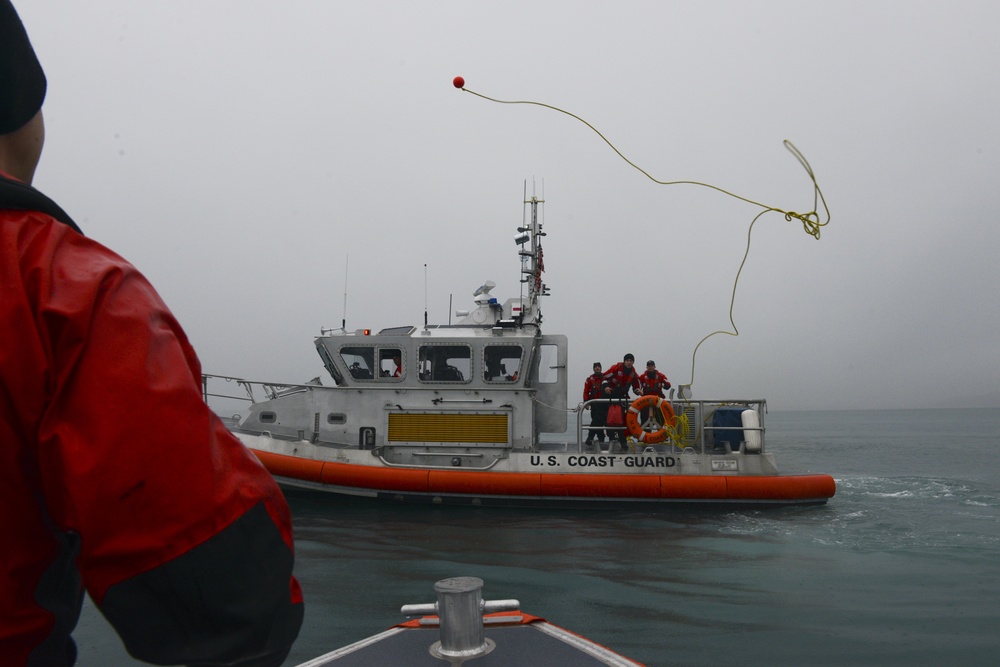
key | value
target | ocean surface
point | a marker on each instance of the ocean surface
(901, 567)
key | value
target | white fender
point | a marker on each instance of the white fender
(752, 437)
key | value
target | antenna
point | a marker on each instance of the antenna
(343, 321)
(425, 295)
(524, 225)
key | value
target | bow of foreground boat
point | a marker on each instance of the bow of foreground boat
(461, 627)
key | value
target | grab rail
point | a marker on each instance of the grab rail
(271, 389)
(700, 412)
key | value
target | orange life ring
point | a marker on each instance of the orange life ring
(635, 428)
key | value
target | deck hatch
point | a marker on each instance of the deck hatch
(448, 427)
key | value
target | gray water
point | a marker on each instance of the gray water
(902, 567)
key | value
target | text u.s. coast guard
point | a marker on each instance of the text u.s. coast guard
(604, 461)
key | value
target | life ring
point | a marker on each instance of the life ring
(635, 428)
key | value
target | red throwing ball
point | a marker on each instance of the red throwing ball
(459, 82)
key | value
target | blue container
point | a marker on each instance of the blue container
(728, 417)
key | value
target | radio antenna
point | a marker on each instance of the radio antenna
(425, 295)
(343, 321)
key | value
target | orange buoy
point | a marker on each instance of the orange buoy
(635, 428)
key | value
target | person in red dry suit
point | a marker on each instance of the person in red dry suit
(620, 378)
(593, 388)
(652, 383)
(115, 478)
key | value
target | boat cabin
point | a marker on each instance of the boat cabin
(463, 385)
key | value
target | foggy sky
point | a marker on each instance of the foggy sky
(258, 159)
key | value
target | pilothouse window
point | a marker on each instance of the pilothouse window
(548, 364)
(502, 363)
(445, 363)
(328, 363)
(360, 361)
(390, 362)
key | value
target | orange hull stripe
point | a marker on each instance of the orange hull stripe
(601, 486)
(290, 466)
(487, 483)
(781, 488)
(707, 487)
(694, 486)
(364, 477)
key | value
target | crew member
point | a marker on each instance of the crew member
(115, 477)
(619, 379)
(652, 383)
(593, 387)
(622, 376)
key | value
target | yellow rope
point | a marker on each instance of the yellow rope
(811, 222)
(678, 433)
(732, 299)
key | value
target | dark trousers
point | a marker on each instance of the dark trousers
(598, 419)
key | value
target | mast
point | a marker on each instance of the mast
(529, 236)
(524, 309)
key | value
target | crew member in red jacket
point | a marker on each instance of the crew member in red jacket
(115, 478)
(622, 376)
(594, 387)
(652, 383)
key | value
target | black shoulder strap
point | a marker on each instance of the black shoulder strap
(20, 196)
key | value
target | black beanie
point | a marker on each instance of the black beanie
(22, 81)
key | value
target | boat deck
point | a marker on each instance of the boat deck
(536, 644)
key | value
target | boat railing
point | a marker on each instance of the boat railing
(698, 428)
(271, 390)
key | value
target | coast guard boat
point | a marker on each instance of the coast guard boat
(475, 413)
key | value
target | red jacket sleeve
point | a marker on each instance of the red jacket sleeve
(185, 541)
